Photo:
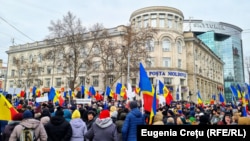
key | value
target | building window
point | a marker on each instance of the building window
(110, 79)
(166, 44)
(22, 60)
(133, 81)
(59, 69)
(162, 20)
(153, 20)
(179, 46)
(182, 82)
(170, 21)
(60, 55)
(145, 20)
(179, 63)
(19, 73)
(84, 52)
(58, 82)
(40, 70)
(97, 50)
(196, 69)
(166, 61)
(82, 80)
(49, 70)
(167, 81)
(38, 82)
(14, 60)
(30, 70)
(40, 58)
(150, 62)
(180, 25)
(22, 71)
(12, 73)
(83, 67)
(11, 84)
(95, 81)
(47, 80)
(110, 65)
(149, 45)
(139, 22)
(176, 22)
(19, 83)
(96, 65)
(31, 59)
(195, 55)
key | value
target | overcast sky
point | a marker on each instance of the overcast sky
(26, 21)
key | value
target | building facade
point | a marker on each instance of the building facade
(3, 74)
(175, 58)
(226, 42)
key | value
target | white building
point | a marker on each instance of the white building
(174, 59)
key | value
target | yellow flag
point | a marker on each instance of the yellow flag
(7, 111)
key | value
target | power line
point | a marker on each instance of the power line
(17, 29)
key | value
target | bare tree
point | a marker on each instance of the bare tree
(96, 49)
(116, 57)
(28, 71)
(71, 50)
(138, 42)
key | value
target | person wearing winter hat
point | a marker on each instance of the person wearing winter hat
(158, 119)
(59, 112)
(27, 114)
(11, 125)
(79, 127)
(91, 117)
(133, 118)
(103, 126)
(58, 128)
(113, 113)
(31, 123)
(45, 116)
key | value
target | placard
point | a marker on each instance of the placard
(83, 101)
(11, 91)
(42, 99)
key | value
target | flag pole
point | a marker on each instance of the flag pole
(69, 96)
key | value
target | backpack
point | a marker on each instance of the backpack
(27, 134)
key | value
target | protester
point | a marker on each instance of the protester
(58, 128)
(133, 118)
(11, 125)
(30, 123)
(79, 127)
(103, 129)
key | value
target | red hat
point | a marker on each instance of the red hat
(104, 114)
(19, 106)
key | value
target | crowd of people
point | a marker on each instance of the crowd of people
(111, 121)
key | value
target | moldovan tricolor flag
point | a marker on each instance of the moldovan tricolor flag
(146, 89)
(200, 102)
(221, 98)
(7, 111)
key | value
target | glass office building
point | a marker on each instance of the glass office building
(225, 41)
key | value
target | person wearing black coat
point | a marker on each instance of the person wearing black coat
(58, 129)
